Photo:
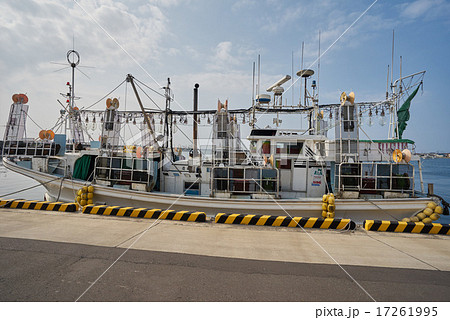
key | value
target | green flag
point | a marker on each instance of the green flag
(403, 113)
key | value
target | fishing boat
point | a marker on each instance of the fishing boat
(276, 171)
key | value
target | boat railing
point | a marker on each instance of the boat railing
(373, 177)
(32, 148)
(57, 166)
(124, 171)
(245, 180)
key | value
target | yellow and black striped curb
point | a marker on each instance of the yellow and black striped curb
(145, 213)
(38, 205)
(283, 221)
(409, 227)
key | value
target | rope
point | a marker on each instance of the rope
(104, 96)
(32, 187)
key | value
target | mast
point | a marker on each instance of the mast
(168, 130)
(195, 126)
(147, 119)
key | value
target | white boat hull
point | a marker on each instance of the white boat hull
(356, 209)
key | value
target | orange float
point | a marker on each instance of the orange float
(42, 134)
(50, 134)
(23, 98)
(139, 152)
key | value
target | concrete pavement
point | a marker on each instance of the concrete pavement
(54, 256)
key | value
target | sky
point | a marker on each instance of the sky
(215, 43)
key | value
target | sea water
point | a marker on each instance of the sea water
(436, 171)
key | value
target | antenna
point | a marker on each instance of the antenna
(279, 83)
(400, 84)
(253, 85)
(292, 77)
(301, 68)
(259, 74)
(318, 71)
(392, 65)
(387, 84)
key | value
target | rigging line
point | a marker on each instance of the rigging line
(86, 108)
(378, 149)
(126, 116)
(32, 187)
(113, 39)
(343, 33)
(319, 245)
(58, 122)
(145, 93)
(187, 137)
(162, 110)
(158, 93)
(155, 223)
(33, 121)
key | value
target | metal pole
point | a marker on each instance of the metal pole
(146, 117)
(195, 126)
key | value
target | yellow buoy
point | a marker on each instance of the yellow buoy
(406, 219)
(90, 195)
(84, 196)
(325, 198)
(324, 206)
(90, 201)
(330, 199)
(84, 189)
(431, 205)
(428, 211)
(421, 215)
(91, 189)
(79, 192)
(78, 199)
(438, 210)
(427, 220)
(414, 219)
(324, 214)
(331, 208)
(435, 216)
(83, 202)
(330, 215)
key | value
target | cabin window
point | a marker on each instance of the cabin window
(402, 176)
(253, 146)
(252, 174)
(266, 147)
(295, 148)
(350, 174)
(284, 163)
(237, 173)
(348, 115)
(191, 185)
(282, 147)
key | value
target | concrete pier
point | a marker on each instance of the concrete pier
(56, 256)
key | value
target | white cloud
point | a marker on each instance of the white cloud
(223, 58)
(428, 9)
